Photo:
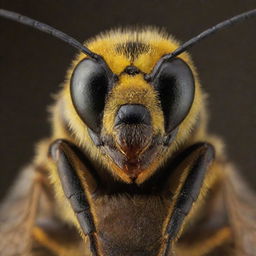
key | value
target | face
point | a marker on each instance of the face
(128, 124)
(133, 119)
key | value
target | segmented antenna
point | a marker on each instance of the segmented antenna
(225, 24)
(49, 30)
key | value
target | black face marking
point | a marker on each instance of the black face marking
(132, 49)
(133, 114)
(131, 70)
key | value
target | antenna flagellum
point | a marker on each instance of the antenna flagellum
(205, 34)
(49, 30)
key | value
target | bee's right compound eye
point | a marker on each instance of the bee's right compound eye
(89, 88)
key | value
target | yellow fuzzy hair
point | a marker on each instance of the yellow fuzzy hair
(128, 90)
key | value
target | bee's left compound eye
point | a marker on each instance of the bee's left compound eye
(89, 87)
(174, 83)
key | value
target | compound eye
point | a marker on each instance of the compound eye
(89, 88)
(176, 88)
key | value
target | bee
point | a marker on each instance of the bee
(130, 167)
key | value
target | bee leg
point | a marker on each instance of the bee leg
(44, 240)
(53, 241)
(66, 157)
(207, 243)
(201, 155)
(18, 213)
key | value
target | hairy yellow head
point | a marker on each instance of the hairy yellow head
(131, 125)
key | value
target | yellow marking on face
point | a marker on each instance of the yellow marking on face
(133, 90)
(158, 43)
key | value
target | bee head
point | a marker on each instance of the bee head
(132, 98)
(133, 119)
(127, 103)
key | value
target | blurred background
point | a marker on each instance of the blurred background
(33, 64)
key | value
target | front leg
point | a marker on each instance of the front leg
(66, 156)
(198, 159)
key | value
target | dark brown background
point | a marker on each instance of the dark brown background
(32, 64)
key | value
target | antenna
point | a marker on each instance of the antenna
(205, 34)
(49, 30)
